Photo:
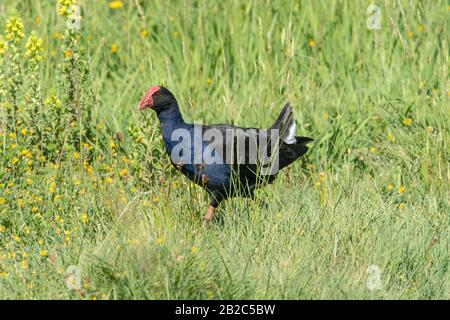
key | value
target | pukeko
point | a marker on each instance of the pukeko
(225, 160)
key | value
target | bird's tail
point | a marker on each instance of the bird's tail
(286, 125)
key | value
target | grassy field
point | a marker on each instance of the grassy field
(90, 208)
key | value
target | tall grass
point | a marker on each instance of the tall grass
(372, 190)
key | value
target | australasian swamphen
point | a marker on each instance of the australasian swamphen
(225, 160)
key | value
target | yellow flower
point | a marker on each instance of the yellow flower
(25, 153)
(52, 187)
(155, 199)
(76, 155)
(84, 217)
(57, 35)
(67, 54)
(390, 186)
(407, 121)
(34, 48)
(401, 206)
(373, 150)
(87, 167)
(159, 241)
(144, 33)
(114, 5)
(24, 264)
(312, 43)
(43, 253)
(409, 34)
(64, 7)
(194, 249)
(430, 130)
(24, 131)
(2, 200)
(11, 135)
(28, 181)
(209, 81)
(176, 34)
(114, 48)
(2, 228)
(14, 29)
(40, 242)
(401, 189)
(123, 172)
(108, 180)
(76, 181)
(14, 160)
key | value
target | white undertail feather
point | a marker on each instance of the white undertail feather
(290, 139)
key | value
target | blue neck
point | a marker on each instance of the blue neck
(170, 120)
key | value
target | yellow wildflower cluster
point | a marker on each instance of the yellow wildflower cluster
(52, 100)
(64, 7)
(34, 48)
(14, 29)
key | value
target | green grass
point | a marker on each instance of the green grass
(328, 217)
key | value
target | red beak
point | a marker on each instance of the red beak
(147, 100)
(145, 103)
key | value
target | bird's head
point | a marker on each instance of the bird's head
(158, 98)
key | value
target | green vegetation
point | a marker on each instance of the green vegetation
(87, 192)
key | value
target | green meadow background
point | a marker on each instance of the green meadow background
(92, 209)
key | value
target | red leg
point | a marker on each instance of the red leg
(209, 215)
